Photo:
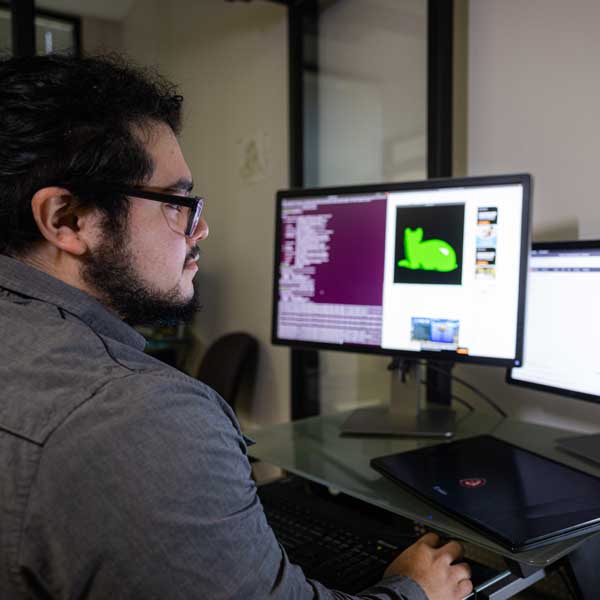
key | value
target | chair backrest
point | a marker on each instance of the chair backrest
(226, 361)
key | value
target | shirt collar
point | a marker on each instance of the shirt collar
(28, 281)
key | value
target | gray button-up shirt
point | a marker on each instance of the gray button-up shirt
(123, 478)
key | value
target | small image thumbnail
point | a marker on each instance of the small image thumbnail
(435, 333)
(485, 272)
(485, 257)
(486, 236)
(444, 331)
(487, 215)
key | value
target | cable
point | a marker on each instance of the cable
(458, 399)
(463, 402)
(470, 387)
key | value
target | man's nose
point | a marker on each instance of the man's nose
(201, 231)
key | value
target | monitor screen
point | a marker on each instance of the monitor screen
(434, 269)
(562, 323)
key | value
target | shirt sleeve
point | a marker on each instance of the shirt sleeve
(145, 492)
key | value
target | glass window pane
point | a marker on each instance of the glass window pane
(5, 32)
(365, 120)
(54, 36)
(366, 102)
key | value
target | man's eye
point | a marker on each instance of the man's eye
(175, 207)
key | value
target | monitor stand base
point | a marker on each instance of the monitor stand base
(585, 446)
(396, 419)
(381, 421)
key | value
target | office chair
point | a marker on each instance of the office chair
(225, 363)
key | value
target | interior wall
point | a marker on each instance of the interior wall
(145, 33)
(230, 62)
(99, 36)
(533, 99)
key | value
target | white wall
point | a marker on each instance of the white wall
(145, 32)
(533, 105)
(534, 96)
(99, 36)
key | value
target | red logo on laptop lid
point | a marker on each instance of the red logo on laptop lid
(473, 482)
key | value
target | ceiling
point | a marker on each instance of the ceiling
(104, 9)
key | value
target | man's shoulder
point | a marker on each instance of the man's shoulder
(48, 365)
(161, 400)
(52, 365)
(160, 426)
(153, 385)
(35, 327)
(148, 397)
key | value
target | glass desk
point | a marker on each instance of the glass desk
(314, 449)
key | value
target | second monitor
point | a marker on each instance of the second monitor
(562, 329)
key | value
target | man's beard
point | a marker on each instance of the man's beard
(109, 270)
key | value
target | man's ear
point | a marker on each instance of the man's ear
(61, 220)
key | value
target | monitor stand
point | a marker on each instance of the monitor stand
(585, 446)
(393, 420)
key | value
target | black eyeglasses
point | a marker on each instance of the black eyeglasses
(182, 212)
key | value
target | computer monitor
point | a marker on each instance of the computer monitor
(431, 269)
(562, 328)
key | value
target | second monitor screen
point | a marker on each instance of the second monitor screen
(410, 270)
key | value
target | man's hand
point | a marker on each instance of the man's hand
(431, 567)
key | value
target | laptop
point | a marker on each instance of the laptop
(517, 498)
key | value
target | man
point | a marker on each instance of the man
(122, 477)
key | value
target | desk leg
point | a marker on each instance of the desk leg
(582, 567)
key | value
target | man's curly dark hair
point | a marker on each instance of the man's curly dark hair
(72, 122)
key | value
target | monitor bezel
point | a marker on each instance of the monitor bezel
(560, 245)
(523, 179)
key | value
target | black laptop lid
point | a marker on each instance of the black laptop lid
(520, 499)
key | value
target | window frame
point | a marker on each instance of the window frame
(72, 20)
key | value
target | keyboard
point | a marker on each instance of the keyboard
(341, 542)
